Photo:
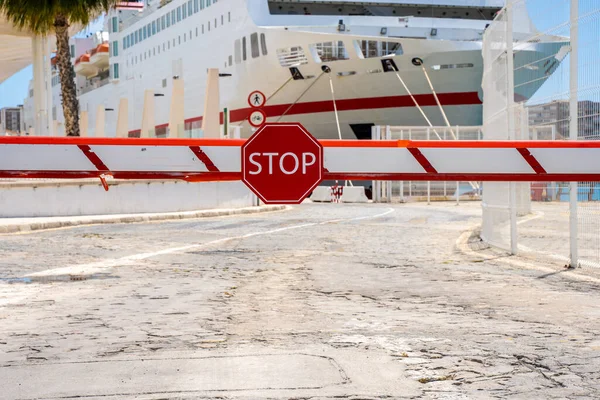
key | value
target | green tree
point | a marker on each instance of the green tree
(47, 17)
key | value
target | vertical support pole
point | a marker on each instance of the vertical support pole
(100, 121)
(402, 182)
(428, 182)
(574, 128)
(148, 124)
(409, 182)
(47, 43)
(376, 194)
(39, 98)
(510, 101)
(388, 192)
(457, 194)
(210, 123)
(122, 119)
(83, 124)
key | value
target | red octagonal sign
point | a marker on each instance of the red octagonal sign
(282, 163)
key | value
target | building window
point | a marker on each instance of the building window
(115, 48)
(254, 45)
(263, 44)
(244, 48)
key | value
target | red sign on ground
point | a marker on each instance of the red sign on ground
(282, 163)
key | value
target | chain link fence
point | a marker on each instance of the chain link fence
(542, 82)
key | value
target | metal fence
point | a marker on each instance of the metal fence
(542, 81)
(406, 191)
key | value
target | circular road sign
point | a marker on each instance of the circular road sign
(257, 118)
(282, 163)
(257, 99)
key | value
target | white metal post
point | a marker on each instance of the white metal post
(573, 128)
(510, 68)
(388, 136)
(428, 182)
(376, 194)
(457, 182)
(402, 182)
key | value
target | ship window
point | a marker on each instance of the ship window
(140, 34)
(178, 14)
(237, 51)
(244, 48)
(115, 25)
(190, 8)
(451, 66)
(145, 32)
(229, 16)
(153, 51)
(230, 60)
(329, 51)
(115, 71)
(158, 47)
(154, 27)
(202, 4)
(115, 48)
(292, 56)
(254, 45)
(184, 11)
(196, 31)
(136, 37)
(215, 23)
(263, 44)
(185, 37)
(163, 47)
(222, 19)
(157, 25)
(378, 48)
(162, 22)
(209, 26)
(195, 6)
(164, 83)
(180, 38)
(169, 45)
(203, 29)
(173, 17)
(149, 29)
(168, 21)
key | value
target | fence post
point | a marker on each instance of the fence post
(402, 182)
(428, 182)
(376, 192)
(457, 182)
(573, 128)
(388, 192)
(510, 71)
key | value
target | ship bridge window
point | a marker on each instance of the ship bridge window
(196, 8)
(244, 48)
(184, 11)
(162, 22)
(237, 47)
(377, 48)
(168, 21)
(263, 44)
(178, 14)
(451, 66)
(329, 51)
(254, 45)
(291, 56)
(190, 7)
(157, 22)
(154, 27)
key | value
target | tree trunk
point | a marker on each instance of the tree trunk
(70, 103)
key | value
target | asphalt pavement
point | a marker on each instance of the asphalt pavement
(330, 301)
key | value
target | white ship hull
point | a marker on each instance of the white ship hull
(364, 94)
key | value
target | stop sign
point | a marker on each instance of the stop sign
(282, 163)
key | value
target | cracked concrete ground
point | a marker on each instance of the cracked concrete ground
(320, 302)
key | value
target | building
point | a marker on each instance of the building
(11, 120)
(556, 113)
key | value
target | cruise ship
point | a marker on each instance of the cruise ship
(337, 67)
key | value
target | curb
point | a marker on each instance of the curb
(66, 222)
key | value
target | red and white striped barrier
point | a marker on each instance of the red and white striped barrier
(220, 160)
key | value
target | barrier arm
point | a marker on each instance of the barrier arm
(197, 160)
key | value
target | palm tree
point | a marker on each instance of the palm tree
(56, 17)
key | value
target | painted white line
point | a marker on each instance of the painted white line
(102, 266)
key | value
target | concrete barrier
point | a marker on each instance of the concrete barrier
(87, 197)
(321, 193)
(354, 194)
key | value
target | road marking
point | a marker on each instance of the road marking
(102, 266)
